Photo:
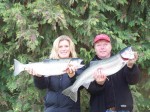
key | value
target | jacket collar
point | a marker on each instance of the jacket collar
(96, 58)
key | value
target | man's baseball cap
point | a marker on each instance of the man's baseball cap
(101, 37)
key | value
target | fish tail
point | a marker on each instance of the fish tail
(18, 67)
(72, 94)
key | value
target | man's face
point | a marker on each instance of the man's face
(103, 49)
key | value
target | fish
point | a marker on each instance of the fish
(48, 67)
(107, 66)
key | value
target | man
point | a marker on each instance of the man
(116, 95)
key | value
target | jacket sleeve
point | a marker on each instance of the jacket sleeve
(132, 74)
(95, 88)
(40, 82)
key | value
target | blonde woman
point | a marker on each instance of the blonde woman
(54, 100)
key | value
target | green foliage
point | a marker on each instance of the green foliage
(29, 27)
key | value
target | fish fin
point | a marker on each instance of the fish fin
(80, 66)
(93, 62)
(77, 77)
(65, 71)
(68, 92)
(18, 67)
(86, 85)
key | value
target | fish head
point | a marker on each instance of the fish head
(127, 53)
(77, 62)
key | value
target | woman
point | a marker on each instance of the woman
(55, 101)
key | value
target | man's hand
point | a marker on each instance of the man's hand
(131, 62)
(99, 77)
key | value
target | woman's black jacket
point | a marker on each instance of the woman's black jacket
(54, 100)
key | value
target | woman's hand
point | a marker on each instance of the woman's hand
(71, 70)
(32, 72)
(99, 77)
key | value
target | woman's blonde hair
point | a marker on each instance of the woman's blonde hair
(54, 51)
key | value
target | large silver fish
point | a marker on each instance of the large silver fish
(107, 66)
(48, 67)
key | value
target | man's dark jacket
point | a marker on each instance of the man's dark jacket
(116, 91)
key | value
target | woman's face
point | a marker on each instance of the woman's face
(64, 49)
